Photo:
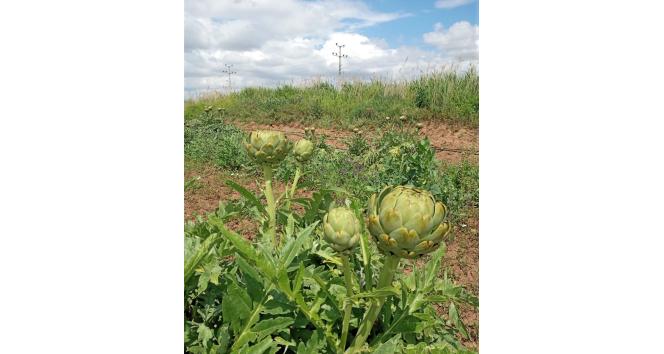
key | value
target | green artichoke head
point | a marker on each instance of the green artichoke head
(407, 221)
(303, 150)
(395, 151)
(341, 228)
(267, 147)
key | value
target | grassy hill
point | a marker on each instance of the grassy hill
(448, 96)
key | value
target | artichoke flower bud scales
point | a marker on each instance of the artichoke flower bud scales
(341, 229)
(406, 221)
(303, 150)
(267, 147)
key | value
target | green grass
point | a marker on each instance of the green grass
(448, 96)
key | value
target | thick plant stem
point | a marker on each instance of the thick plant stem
(271, 206)
(298, 172)
(386, 276)
(348, 306)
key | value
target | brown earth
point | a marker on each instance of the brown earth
(453, 143)
(462, 259)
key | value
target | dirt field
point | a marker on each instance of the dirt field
(452, 143)
(462, 257)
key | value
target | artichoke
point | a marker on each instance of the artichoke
(303, 150)
(407, 221)
(395, 151)
(341, 228)
(267, 147)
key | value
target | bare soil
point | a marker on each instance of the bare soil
(453, 143)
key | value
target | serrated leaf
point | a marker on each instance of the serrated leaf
(272, 325)
(290, 226)
(224, 338)
(248, 270)
(328, 256)
(210, 274)
(235, 306)
(284, 283)
(283, 342)
(299, 278)
(313, 345)
(454, 316)
(437, 298)
(247, 195)
(416, 349)
(196, 256)
(407, 325)
(242, 246)
(243, 339)
(389, 347)
(258, 348)
(245, 249)
(204, 334)
(255, 282)
(433, 265)
(293, 246)
(278, 306)
(416, 302)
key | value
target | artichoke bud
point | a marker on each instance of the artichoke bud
(303, 150)
(341, 228)
(267, 147)
(407, 221)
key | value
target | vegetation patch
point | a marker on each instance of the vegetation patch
(448, 96)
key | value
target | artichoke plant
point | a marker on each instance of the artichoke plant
(406, 221)
(303, 150)
(267, 147)
(341, 228)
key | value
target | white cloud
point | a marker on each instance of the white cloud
(460, 41)
(237, 24)
(291, 42)
(449, 4)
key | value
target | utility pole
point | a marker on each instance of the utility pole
(230, 72)
(338, 54)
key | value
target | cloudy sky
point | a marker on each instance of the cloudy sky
(271, 43)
